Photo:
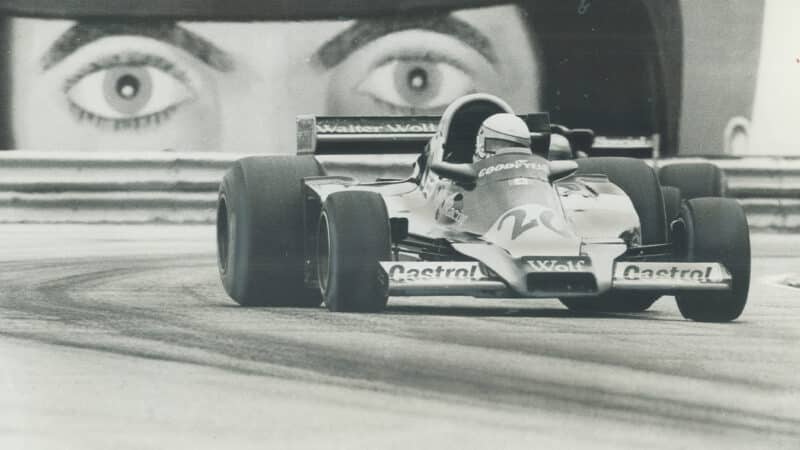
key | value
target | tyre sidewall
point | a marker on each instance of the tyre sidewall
(233, 192)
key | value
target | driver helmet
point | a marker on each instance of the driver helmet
(501, 131)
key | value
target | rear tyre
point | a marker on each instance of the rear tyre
(260, 234)
(715, 229)
(694, 180)
(640, 183)
(354, 234)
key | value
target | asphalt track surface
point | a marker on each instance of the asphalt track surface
(122, 337)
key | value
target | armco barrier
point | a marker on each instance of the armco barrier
(181, 187)
(48, 187)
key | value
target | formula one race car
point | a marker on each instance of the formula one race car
(593, 232)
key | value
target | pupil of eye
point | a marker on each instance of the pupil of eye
(128, 86)
(418, 79)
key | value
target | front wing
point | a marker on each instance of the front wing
(548, 277)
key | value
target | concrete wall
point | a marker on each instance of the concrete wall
(721, 52)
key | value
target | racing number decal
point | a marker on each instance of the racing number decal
(520, 226)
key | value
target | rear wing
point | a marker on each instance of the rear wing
(363, 135)
(324, 135)
(327, 135)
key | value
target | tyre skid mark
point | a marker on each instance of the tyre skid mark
(353, 365)
(506, 390)
(287, 353)
(56, 297)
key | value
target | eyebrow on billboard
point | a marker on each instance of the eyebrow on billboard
(365, 31)
(86, 32)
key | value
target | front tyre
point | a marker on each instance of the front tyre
(716, 230)
(354, 234)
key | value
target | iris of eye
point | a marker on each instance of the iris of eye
(128, 86)
(418, 79)
(127, 90)
(416, 84)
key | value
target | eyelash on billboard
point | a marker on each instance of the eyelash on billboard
(131, 123)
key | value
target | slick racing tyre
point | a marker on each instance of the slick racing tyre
(640, 183)
(354, 234)
(694, 180)
(715, 230)
(260, 234)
